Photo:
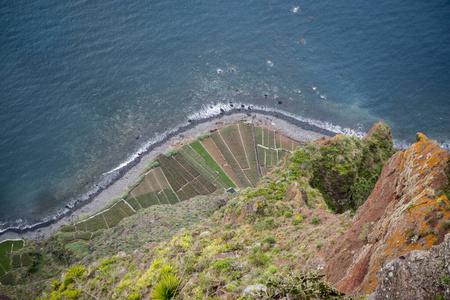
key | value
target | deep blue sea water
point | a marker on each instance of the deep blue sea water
(79, 80)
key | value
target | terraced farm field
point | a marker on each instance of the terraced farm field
(283, 142)
(184, 179)
(206, 166)
(248, 141)
(234, 156)
(105, 219)
(230, 158)
(10, 261)
(215, 153)
(271, 147)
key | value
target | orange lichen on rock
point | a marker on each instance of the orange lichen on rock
(405, 212)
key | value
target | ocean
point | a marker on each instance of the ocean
(86, 85)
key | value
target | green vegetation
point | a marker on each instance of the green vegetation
(170, 153)
(203, 167)
(197, 146)
(315, 220)
(201, 137)
(346, 169)
(166, 288)
(151, 164)
(273, 269)
(299, 287)
(7, 247)
(232, 162)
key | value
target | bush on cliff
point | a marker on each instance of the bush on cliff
(344, 169)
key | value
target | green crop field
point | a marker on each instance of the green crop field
(162, 198)
(171, 196)
(127, 209)
(183, 177)
(93, 224)
(265, 137)
(230, 159)
(153, 190)
(202, 167)
(114, 216)
(270, 139)
(133, 202)
(7, 247)
(258, 135)
(200, 150)
(83, 236)
(232, 138)
(144, 200)
(172, 174)
(267, 157)
(249, 145)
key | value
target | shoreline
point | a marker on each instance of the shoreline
(126, 175)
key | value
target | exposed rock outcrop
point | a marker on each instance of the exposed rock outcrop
(407, 210)
(417, 275)
(294, 194)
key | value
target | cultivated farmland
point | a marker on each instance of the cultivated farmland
(215, 153)
(10, 261)
(184, 179)
(234, 156)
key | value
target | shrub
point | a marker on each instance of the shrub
(126, 191)
(71, 294)
(298, 219)
(299, 287)
(74, 273)
(231, 287)
(260, 259)
(269, 240)
(410, 205)
(445, 278)
(170, 153)
(204, 136)
(266, 224)
(315, 220)
(361, 188)
(134, 296)
(256, 249)
(55, 284)
(288, 214)
(273, 269)
(166, 288)
(223, 265)
(152, 164)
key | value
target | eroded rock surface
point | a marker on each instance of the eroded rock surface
(417, 275)
(294, 194)
(407, 210)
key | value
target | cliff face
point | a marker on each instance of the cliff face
(407, 210)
